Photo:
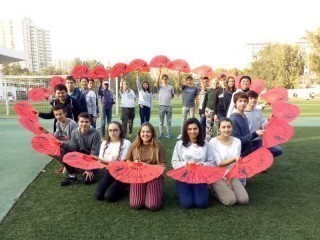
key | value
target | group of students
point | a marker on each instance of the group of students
(237, 137)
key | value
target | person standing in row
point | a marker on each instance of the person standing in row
(220, 113)
(75, 92)
(144, 100)
(205, 86)
(127, 106)
(166, 93)
(91, 99)
(189, 99)
(230, 89)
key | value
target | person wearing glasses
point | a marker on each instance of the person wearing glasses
(114, 148)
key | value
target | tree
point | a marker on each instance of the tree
(14, 69)
(279, 65)
(314, 54)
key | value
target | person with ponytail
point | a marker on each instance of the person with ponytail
(114, 148)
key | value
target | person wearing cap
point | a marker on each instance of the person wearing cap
(107, 103)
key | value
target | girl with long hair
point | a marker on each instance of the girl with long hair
(145, 100)
(114, 148)
(146, 149)
(192, 149)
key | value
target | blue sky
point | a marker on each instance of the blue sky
(199, 31)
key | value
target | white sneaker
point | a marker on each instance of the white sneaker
(179, 137)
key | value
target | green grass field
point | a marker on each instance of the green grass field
(284, 204)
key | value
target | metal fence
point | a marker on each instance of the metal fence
(15, 88)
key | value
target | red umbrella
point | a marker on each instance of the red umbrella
(82, 161)
(47, 144)
(277, 131)
(204, 71)
(285, 111)
(57, 80)
(80, 71)
(32, 125)
(25, 109)
(39, 94)
(159, 61)
(195, 174)
(132, 172)
(119, 68)
(99, 72)
(254, 163)
(257, 85)
(139, 65)
(179, 65)
(277, 94)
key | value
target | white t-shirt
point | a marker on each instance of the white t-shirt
(181, 155)
(145, 98)
(111, 153)
(223, 152)
(127, 98)
(165, 95)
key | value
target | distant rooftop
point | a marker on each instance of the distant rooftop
(9, 56)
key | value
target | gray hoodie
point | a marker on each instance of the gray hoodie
(88, 143)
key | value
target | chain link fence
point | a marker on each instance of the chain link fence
(15, 88)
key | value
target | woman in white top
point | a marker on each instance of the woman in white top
(127, 106)
(192, 149)
(114, 148)
(145, 100)
(226, 150)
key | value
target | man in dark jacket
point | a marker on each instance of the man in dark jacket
(71, 105)
(76, 93)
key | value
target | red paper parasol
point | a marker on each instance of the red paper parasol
(277, 131)
(139, 65)
(159, 61)
(25, 109)
(285, 111)
(179, 65)
(132, 172)
(80, 71)
(32, 125)
(57, 80)
(119, 68)
(82, 161)
(195, 174)
(39, 94)
(204, 71)
(277, 94)
(257, 85)
(237, 80)
(254, 163)
(47, 144)
(99, 72)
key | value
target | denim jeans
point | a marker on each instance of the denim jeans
(165, 111)
(106, 114)
(144, 114)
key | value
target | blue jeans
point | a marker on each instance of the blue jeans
(106, 113)
(275, 150)
(144, 114)
(193, 195)
(165, 111)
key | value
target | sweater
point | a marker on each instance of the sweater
(240, 129)
(64, 130)
(210, 100)
(87, 143)
(181, 155)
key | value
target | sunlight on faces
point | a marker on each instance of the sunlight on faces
(61, 95)
(84, 124)
(225, 129)
(241, 104)
(245, 83)
(205, 83)
(193, 131)
(165, 80)
(231, 82)
(70, 85)
(84, 83)
(145, 86)
(222, 82)
(114, 132)
(215, 83)
(146, 135)
(189, 82)
(60, 115)
(125, 85)
(91, 84)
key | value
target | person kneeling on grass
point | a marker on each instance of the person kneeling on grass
(86, 140)
(64, 126)
(226, 150)
(192, 149)
(148, 150)
(115, 148)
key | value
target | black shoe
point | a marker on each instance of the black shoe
(68, 181)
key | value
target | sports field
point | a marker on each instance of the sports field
(284, 202)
